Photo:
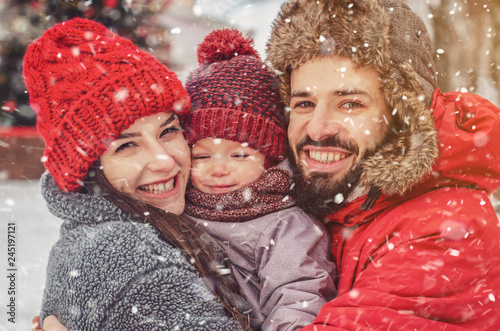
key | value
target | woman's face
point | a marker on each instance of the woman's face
(150, 161)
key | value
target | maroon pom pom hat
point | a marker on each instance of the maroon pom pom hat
(88, 84)
(234, 96)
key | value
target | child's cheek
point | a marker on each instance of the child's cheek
(196, 176)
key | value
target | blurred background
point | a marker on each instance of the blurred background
(466, 37)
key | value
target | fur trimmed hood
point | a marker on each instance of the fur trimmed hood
(387, 36)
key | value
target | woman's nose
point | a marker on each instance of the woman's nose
(159, 158)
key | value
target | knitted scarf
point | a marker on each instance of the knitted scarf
(268, 194)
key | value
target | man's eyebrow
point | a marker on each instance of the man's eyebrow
(138, 134)
(301, 94)
(349, 91)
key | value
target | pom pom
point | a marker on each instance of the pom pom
(223, 45)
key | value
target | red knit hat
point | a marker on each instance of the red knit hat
(234, 97)
(88, 84)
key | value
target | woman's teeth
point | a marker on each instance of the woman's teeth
(158, 188)
(326, 157)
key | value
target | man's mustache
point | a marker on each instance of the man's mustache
(332, 141)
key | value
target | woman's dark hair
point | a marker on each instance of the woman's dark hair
(200, 249)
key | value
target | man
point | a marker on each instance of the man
(399, 171)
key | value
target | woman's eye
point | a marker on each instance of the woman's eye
(170, 130)
(125, 146)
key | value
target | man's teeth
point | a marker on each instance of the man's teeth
(158, 188)
(326, 157)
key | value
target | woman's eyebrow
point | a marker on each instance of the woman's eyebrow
(128, 135)
(138, 134)
(168, 121)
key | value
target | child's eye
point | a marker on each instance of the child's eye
(240, 155)
(124, 146)
(200, 157)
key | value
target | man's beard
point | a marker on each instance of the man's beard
(319, 193)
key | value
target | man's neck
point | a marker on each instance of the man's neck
(358, 192)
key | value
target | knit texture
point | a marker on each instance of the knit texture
(381, 34)
(106, 269)
(234, 96)
(268, 194)
(88, 84)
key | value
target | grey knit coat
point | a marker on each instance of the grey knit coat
(109, 273)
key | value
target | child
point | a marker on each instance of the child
(237, 131)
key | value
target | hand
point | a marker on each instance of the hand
(51, 323)
(35, 324)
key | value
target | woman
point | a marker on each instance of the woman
(118, 167)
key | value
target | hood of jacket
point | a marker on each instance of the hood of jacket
(468, 133)
(469, 129)
(382, 34)
(78, 208)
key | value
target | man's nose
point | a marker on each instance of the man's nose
(325, 122)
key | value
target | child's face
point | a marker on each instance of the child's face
(221, 166)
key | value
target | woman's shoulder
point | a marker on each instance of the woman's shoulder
(117, 241)
(113, 252)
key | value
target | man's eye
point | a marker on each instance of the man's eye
(304, 104)
(352, 104)
(125, 146)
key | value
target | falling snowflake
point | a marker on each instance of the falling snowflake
(121, 95)
(247, 195)
(339, 198)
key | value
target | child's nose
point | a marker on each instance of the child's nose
(219, 168)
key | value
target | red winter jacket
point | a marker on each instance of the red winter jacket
(429, 260)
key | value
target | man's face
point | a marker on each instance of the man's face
(338, 117)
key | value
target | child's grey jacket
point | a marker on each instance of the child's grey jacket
(108, 273)
(281, 262)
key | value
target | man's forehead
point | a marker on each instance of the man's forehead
(335, 75)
